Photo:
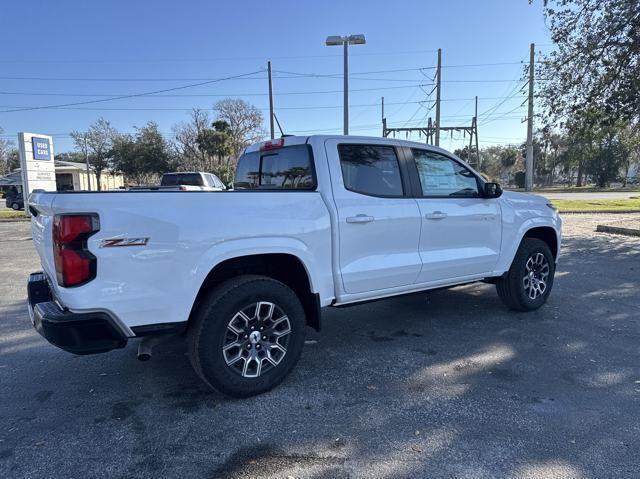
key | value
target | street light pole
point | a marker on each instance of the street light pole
(346, 88)
(345, 41)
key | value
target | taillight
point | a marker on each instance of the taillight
(75, 265)
(272, 144)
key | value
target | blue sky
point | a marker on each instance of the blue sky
(72, 51)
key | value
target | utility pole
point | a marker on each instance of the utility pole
(528, 175)
(384, 121)
(86, 157)
(271, 125)
(438, 79)
(475, 122)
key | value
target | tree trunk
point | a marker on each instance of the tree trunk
(580, 173)
(626, 173)
(98, 175)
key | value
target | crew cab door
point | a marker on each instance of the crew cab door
(461, 230)
(378, 222)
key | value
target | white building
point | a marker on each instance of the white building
(70, 176)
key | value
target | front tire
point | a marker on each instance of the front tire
(15, 206)
(528, 283)
(247, 335)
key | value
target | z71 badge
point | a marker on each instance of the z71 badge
(114, 242)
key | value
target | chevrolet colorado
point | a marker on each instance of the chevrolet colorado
(312, 222)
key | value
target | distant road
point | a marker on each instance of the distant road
(603, 195)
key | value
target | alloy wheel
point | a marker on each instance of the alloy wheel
(256, 339)
(536, 275)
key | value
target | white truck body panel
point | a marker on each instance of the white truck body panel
(189, 234)
(397, 248)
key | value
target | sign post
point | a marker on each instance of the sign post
(36, 163)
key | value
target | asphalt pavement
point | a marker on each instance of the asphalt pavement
(446, 384)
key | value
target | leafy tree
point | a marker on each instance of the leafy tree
(97, 141)
(630, 149)
(6, 150)
(596, 147)
(73, 156)
(245, 124)
(189, 155)
(224, 172)
(142, 155)
(216, 143)
(609, 157)
(596, 64)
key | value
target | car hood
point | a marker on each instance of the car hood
(518, 198)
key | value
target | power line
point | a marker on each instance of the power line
(196, 95)
(168, 79)
(212, 59)
(234, 77)
(304, 107)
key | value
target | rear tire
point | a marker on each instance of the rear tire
(528, 283)
(247, 335)
(15, 206)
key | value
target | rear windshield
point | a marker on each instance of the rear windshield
(288, 168)
(187, 179)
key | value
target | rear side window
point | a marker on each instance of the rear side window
(187, 179)
(288, 168)
(371, 170)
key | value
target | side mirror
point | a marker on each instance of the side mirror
(230, 185)
(492, 190)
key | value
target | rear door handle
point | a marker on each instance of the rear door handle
(360, 219)
(435, 215)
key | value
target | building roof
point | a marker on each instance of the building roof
(14, 178)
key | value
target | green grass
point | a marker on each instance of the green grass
(586, 189)
(582, 189)
(631, 204)
(10, 214)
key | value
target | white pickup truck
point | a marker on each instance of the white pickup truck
(312, 222)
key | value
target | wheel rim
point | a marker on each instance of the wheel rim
(536, 275)
(256, 339)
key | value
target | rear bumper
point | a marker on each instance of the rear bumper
(77, 333)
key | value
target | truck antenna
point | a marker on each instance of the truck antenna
(279, 127)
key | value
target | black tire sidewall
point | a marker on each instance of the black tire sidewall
(215, 318)
(530, 248)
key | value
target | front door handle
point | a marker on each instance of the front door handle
(360, 219)
(435, 215)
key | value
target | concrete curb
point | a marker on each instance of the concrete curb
(616, 230)
(14, 220)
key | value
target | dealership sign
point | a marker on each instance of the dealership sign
(41, 148)
(36, 163)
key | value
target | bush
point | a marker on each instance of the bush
(519, 179)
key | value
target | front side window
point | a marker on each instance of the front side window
(442, 176)
(371, 170)
(288, 168)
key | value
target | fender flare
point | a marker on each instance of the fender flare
(507, 257)
(237, 248)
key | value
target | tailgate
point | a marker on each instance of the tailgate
(41, 209)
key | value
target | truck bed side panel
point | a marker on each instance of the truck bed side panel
(188, 234)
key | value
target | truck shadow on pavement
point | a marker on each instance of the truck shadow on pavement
(443, 384)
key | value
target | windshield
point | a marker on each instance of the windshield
(188, 179)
